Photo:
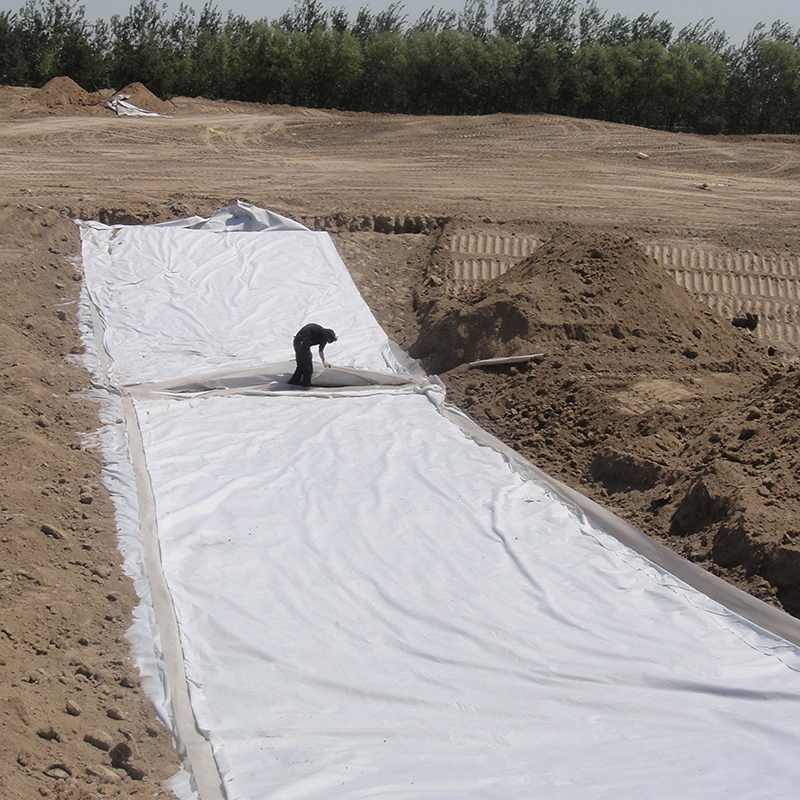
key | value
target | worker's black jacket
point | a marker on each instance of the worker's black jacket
(311, 335)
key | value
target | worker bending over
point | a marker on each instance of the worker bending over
(307, 337)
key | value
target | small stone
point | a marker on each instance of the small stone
(101, 572)
(52, 531)
(24, 758)
(58, 771)
(135, 773)
(17, 705)
(115, 713)
(73, 708)
(85, 671)
(121, 754)
(100, 739)
(62, 315)
(86, 499)
(49, 733)
(104, 773)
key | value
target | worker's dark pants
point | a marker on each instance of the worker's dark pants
(305, 367)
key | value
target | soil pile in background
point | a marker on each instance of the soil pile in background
(646, 401)
(59, 96)
(61, 91)
(62, 96)
(598, 292)
(142, 97)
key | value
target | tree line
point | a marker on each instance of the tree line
(520, 56)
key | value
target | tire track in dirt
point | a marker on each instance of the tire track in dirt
(479, 257)
(787, 163)
(738, 283)
(544, 168)
(223, 135)
(646, 395)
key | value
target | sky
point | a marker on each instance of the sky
(736, 17)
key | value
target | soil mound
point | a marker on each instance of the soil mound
(651, 405)
(593, 289)
(61, 91)
(142, 97)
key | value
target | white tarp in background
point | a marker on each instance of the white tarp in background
(119, 104)
(371, 604)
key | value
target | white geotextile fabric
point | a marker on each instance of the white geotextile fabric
(119, 104)
(373, 605)
(179, 302)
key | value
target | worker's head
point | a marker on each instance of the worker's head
(330, 335)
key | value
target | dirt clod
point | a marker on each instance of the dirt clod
(99, 739)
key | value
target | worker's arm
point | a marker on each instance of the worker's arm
(322, 355)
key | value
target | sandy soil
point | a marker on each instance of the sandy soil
(648, 399)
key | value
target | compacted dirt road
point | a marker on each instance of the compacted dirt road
(622, 254)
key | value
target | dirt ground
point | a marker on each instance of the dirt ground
(648, 399)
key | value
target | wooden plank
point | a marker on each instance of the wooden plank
(499, 362)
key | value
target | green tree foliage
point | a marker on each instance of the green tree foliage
(704, 33)
(13, 62)
(601, 93)
(694, 89)
(384, 77)
(474, 19)
(650, 27)
(539, 74)
(764, 88)
(142, 48)
(433, 21)
(325, 68)
(49, 38)
(591, 23)
(522, 56)
(305, 17)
